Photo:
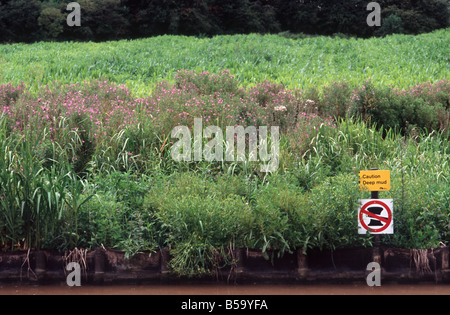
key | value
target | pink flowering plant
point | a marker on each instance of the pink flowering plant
(86, 119)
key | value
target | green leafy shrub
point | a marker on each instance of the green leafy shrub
(206, 83)
(334, 206)
(281, 220)
(421, 216)
(114, 217)
(402, 110)
(101, 222)
(105, 221)
(128, 189)
(336, 100)
(201, 224)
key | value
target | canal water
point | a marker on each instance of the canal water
(390, 289)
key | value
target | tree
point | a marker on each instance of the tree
(19, 20)
(51, 21)
(29, 20)
(343, 16)
(100, 20)
(195, 19)
(418, 16)
(153, 17)
(391, 25)
(245, 16)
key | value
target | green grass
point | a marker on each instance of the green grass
(398, 60)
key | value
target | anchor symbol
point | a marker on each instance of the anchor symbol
(377, 211)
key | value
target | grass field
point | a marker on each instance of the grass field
(399, 60)
(85, 143)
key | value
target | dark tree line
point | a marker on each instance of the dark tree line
(32, 20)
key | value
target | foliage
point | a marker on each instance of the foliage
(333, 207)
(16, 25)
(39, 206)
(89, 164)
(114, 19)
(201, 223)
(114, 218)
(101, 20)
(392, 24)
(403, 109)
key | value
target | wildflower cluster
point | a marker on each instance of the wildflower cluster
(97, 110)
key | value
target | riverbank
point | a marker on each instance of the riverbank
(342, 266)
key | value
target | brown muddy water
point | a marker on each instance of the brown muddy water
(347, 289)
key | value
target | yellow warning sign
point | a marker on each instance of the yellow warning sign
(375, 180)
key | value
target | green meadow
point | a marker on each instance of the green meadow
(398, 60)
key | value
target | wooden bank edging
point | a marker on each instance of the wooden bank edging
(343, 265)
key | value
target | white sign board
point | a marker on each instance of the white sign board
(376, 216)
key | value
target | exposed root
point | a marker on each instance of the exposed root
(420, 258)
(78, 256)
(233, 264)
(27, 261)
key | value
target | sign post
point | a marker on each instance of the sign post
(375, 215)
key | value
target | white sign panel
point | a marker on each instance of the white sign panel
(376, 216)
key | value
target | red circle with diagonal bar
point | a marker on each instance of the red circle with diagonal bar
(387, 222)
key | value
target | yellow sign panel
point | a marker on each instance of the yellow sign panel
(375, 180)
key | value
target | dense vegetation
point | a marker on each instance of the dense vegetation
(88, 163)
(33, 20)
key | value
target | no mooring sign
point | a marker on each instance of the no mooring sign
(376, 216)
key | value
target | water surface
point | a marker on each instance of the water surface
(211, 289)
